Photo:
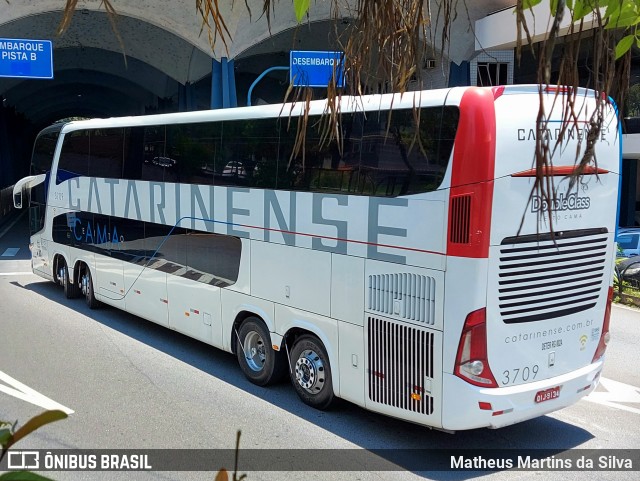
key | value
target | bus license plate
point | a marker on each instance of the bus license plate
(547, 394)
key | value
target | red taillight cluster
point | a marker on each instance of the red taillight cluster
(604, 336)
(472, 363)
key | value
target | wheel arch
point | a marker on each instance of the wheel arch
(66, 257)
(242, 316)
(55, 263)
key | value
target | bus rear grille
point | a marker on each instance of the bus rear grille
(400, 365)
(541, 279)
(408, 296)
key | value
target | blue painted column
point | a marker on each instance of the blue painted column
(223, 84)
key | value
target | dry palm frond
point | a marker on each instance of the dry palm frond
(215, 25)
(67, 17)
(605, 76)
(113, 16)
(385, 45)
(381, 54)
(384, 50)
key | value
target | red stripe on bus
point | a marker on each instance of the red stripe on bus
(472, 174)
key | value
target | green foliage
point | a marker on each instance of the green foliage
(616, 14)
(527, 4)
(624, 14)
(621, 14)
(30, 426)
(633, 101)
(624, 45)
(9, 435)
(301, 7)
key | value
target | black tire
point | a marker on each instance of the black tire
(258, 361)
(311, 372)
(71, 289)
(87, 286)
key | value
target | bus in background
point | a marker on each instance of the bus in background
(404, 265)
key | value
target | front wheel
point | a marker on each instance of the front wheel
(87, 288)
(311, 372)
(258, 361)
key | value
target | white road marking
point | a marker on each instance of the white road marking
(20, 391)
(617, 392)
(26, 273)
(10, 252)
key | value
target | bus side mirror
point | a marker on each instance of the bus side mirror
(17, 200)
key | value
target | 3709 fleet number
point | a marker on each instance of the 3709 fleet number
(519, 374)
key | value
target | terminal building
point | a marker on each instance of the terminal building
(158, 58)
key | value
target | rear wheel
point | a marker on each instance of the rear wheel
(258, 361)
(71, 289)
(87, 288)
(311, 372)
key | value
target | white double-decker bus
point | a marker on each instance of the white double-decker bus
(404, 266)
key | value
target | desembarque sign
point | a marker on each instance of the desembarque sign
(310, 68)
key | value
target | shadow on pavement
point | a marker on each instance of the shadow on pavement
(388, 441)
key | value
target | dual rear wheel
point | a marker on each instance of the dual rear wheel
(86, 286)
(71, 289)
(307, 363)
(81, 284)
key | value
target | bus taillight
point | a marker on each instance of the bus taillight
(605, 336)
(472, 363)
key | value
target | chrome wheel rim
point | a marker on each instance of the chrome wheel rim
(62, 275)
(254, 351)
(310, 372)
(85, 284)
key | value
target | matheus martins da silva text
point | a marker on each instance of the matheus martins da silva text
(608, 462)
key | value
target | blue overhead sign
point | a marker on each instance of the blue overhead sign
(316, 69)
(26, 58)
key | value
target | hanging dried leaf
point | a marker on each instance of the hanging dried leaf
(606, 78)
(214, 23)
(67, 16)
(112, 15)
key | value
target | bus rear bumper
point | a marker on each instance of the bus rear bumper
(470, 407)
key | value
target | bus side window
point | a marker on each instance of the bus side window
(106, 153)
(249, 154)
(133, 148)
(325, 165)
(155, 157)
(192, 151)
